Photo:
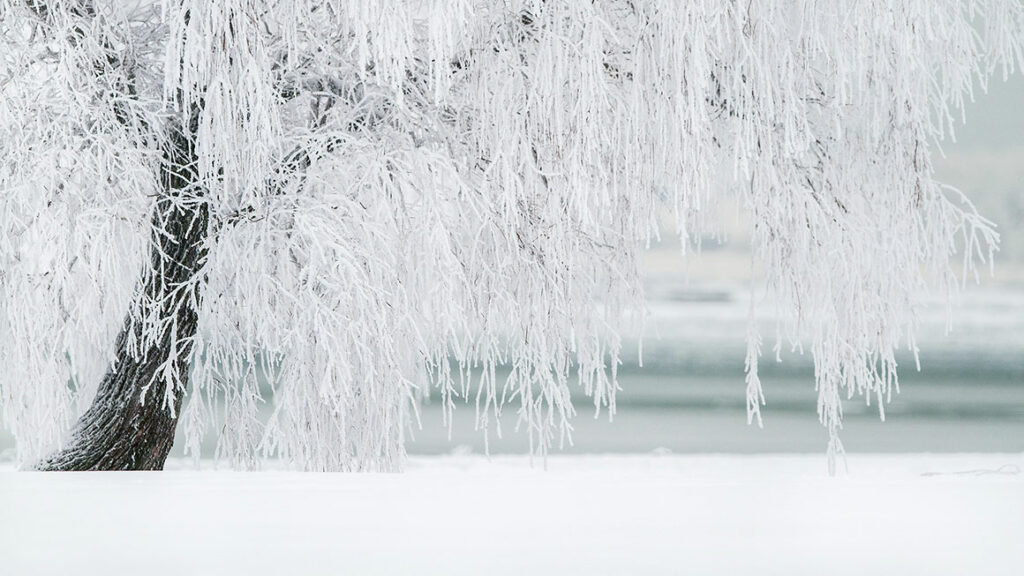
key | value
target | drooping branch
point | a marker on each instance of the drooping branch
(467, 183)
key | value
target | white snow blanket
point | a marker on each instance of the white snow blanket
(642, 514)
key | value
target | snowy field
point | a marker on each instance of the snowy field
(642, 514)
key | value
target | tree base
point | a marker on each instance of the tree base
(131, 422)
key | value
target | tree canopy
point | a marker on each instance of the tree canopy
(398, 197)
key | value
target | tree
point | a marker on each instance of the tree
(366, 200)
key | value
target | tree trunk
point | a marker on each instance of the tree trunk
(129, 425)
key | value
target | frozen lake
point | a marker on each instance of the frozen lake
(689, 396)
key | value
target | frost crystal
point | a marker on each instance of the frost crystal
(405, 194)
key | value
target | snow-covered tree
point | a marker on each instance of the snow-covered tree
(372, 200)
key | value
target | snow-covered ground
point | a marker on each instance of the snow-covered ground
(641, 514)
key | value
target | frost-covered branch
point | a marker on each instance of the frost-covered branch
(405, 195)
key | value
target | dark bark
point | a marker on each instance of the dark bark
(129, 425)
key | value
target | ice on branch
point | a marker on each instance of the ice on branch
(395, 198)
